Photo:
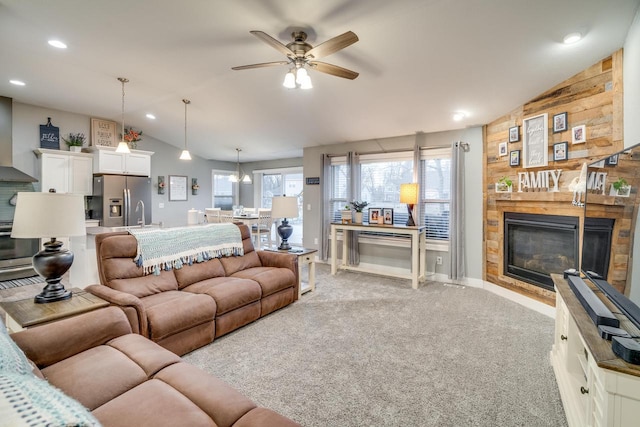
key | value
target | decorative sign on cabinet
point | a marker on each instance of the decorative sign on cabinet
(65, 171)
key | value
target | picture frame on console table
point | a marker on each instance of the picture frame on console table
(374, 215)
(387, 213)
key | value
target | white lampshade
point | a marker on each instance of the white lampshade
(301, 75)
(47, 215)
(409, 193)
(246, 179)
(306, 83)
(289, 80)
(123, 147)
(284, 207)
(185, 155)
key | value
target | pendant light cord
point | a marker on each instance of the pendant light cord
(123, 80)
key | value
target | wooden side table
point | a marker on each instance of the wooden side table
(305, 257)
(24, 314)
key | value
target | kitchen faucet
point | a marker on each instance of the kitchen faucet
(140, 203)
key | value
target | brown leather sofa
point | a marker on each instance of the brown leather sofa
(123, 378)
(183, 309)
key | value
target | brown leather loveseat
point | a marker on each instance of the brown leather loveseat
(183, 309)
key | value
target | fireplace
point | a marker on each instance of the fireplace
(596, 245)
(537, 245)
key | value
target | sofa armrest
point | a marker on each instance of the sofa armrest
(130, 304)
(52, 342)
(281, 260)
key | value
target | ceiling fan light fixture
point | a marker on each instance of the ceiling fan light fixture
(301, 75)
(306, 83)
(289, 80)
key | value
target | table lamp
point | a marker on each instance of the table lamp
(43, 215)
(409, 195)
(284, 207)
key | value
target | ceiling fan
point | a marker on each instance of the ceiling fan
(301, 54)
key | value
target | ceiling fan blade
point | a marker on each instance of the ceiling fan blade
(334, 70)
(273, 43)
(262, 64)
(332, 45)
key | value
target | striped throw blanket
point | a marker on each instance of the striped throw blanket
(167, 248)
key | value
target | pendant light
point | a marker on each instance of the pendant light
(185, 153)
(245, 179)
(123, 146)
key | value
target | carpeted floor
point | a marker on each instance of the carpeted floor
(365, 350)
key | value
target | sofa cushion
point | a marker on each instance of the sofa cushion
(149, 356)
(175, 311)
(153, 404)
(12, 359)
(29, 401)
(95, 376)
(196, 272)
(228, 292)
(137, 284)
(233, 264)
(271, 279)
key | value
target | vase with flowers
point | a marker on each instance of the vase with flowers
(132, 137)
(358, 207)
(194, 186)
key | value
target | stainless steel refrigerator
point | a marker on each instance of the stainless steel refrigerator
(120, 200)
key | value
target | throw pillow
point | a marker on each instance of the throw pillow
(29, 401)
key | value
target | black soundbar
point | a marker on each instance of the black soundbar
(595, 308)
(628, 307)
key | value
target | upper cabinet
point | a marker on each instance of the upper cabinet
(106, 160)
(66, 172)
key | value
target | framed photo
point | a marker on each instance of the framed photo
(103, 133)
(560, 151)
(560, 122)
(502, 149)
(514, 134)
(514, 158)
(612, 161)
(177, 188)
(387, 213)
(374, 215)
(579, 134)
(535, 141)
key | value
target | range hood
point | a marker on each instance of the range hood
(7, 171)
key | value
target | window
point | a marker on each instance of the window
(435, 194)
(380, 176)
(223, 190)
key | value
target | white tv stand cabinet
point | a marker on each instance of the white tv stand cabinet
(597, 388)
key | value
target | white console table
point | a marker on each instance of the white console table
(597, 387)
(418, 249)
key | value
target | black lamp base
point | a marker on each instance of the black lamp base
(51, 263)
(284, 231)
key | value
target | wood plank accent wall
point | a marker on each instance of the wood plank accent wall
(592, 98)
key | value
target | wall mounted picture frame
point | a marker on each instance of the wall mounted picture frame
(560, 151)
(535, 141)
(177, 188)
(514, 158)
(579, 134)
(374, 215)
(502, 149)
(612, 161)
(514, 134)
(387, 213)
(560, 123)
(103, 133)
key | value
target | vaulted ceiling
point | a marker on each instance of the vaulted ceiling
(420, 61)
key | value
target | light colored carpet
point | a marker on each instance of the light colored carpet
(365, 350)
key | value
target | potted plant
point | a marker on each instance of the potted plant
(358, 206)
(75, 141)
(621, 187)
(504, 185)
(345, 214)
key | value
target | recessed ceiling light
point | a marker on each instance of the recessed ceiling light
(458, 116)
(17, 82)
(572, 38)
(151, 116)
(58, 44)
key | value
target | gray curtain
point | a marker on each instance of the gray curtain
(456, 221)
(353, 194)
(326, 209)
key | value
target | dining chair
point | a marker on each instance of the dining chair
(262, 228)
(212, 214)
(226, 216)
(249, 210)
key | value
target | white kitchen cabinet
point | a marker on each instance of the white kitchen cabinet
(106, 160)
(66, 172)
(597, 388)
